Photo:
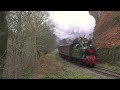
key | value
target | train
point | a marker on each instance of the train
(84, 53)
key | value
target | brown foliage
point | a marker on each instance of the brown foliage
(107, 36)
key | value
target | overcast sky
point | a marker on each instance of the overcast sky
(72, 24)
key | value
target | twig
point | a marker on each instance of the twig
(1, 58)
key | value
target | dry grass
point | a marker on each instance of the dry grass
(53, 67)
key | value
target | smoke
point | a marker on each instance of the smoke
(73, 24)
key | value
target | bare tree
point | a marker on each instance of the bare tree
(3, 39)
(30, 33)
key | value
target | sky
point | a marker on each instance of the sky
(72, 24)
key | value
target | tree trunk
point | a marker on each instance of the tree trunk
(3, 39)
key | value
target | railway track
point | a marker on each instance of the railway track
(98, 70)
(106, 72)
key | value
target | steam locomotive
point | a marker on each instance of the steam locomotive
(84, 53)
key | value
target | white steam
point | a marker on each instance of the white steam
(72, 24)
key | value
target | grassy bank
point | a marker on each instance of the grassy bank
(28, 74)
(54, 67)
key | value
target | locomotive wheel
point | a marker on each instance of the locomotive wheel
(69, 58)
(84, 64)
(92, 65)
